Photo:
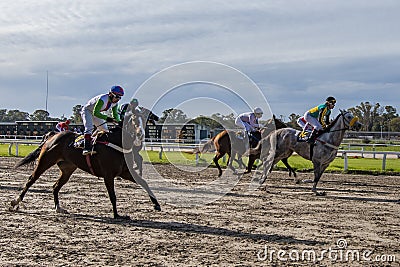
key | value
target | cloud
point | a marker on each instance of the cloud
(296, 51)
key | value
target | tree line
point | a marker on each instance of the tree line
(374, 117)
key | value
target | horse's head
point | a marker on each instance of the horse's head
(350, 121)
(148, 116)
(133, 129)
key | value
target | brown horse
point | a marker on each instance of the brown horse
(238, 147)
(108, 162)
(223, 145)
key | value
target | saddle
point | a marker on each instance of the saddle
(253, 137)
(80, 139)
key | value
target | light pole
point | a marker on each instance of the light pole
(47, 87)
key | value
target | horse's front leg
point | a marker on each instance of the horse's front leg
(138, 160)
(318, 170)
(252, 159)
(139, 180)
(109, 182)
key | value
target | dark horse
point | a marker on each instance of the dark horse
(238, 146)
(108, 163)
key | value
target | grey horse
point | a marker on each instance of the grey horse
(282, 143)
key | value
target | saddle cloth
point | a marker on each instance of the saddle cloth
(303, 136)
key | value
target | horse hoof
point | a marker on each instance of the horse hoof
(157, 207)
(13, 208)
(14, 203)
(320, 194)
(61, 211)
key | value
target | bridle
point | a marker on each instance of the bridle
(348, 123)
(137, 134)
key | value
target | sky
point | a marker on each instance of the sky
(296, 52)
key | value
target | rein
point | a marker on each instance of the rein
(350, 123)
(118, 148)
(342, 129)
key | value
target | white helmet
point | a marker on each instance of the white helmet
(258, 111)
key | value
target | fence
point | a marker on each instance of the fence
(163, 147)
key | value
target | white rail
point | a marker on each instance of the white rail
(345, 155)
(163, 147)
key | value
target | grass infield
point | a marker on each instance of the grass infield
(355, 164)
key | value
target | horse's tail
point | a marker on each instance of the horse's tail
(207, 147)
(31, 157)
(256, 150)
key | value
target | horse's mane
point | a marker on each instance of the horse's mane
(278, 123)
(328, 128)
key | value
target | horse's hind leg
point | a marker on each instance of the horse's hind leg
(66, 169)
(113, 198)
(43, 164)
(215, 159)
(291, 170)
(230, 162)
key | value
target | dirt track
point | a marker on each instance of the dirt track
(363, 211)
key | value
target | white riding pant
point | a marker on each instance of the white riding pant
(90, 121)
(243, 125)
(304, 124)
(313, 121)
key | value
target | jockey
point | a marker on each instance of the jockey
(133, 105)
(317, 117)
(249, 121)
(63, 125)
(92, 114)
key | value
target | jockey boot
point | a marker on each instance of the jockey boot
(313, 136)
(88, 148)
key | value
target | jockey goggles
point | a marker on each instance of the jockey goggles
(116, 96)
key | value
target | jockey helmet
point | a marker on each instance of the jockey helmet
(258, 111)
(117, 90)
(134, 102)
(67, 121)
(331, 100)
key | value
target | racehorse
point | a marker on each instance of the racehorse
(322, 153)
(108, 162)
(145, 116)
(238, 146)
(223, 145)
(278, 124)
